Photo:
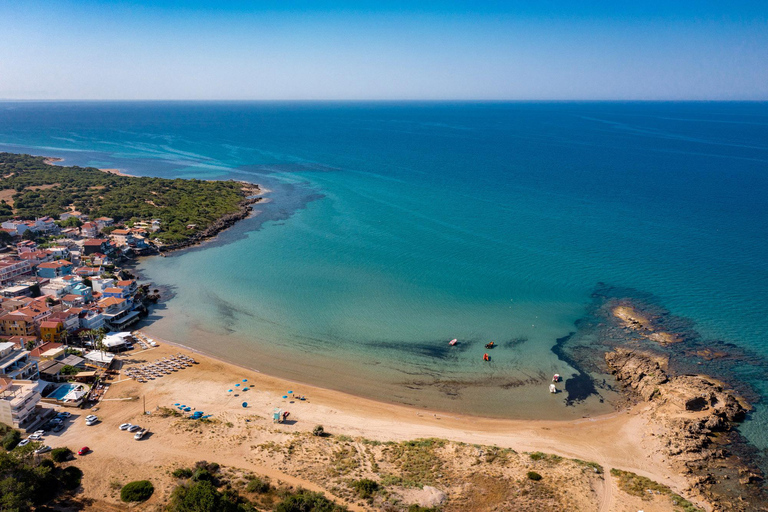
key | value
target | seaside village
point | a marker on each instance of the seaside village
(65, 307)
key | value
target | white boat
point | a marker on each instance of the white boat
(453, 341)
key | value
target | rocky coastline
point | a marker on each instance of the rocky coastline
(245, 209)
(694, 420)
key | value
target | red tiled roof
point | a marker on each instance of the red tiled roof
(95, 241)
(49, 325)
(55, 264)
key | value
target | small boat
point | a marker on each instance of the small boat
(453, 341)
(486, 357)
(552, 388)
(490, 345)
(556, 378)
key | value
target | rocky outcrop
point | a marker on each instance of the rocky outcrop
(693, 417)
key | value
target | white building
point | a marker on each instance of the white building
(18, 400)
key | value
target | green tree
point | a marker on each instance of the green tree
(69, 370)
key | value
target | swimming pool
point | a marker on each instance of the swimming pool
(66, 392)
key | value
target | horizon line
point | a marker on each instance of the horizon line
(387, 100)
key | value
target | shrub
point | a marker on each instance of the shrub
(11, 439)
(305, 501)
(365, 487)
(419, 508)
(182, 473)
(201, 497)
(318, 431)
(71, 477)
(538, 456)
(139, 490)
(532, 475)
(202, 474)
(61, 454)
(257, 485)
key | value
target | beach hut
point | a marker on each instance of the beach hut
(552, 388)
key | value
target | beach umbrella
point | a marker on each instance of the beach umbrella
(176, 405)
(245, 380)
(245, 389)
(245, 404)
(285, 396)
(290, 392)
(229, 391)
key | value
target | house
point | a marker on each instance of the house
(48, 351)
(52, 330)
(26, 246)
(71, 233)
(98, 259)
(72, 301)
(50, 370)
(16, 363)
(91, 319)
(12, 292)
(67, 215)
(100, 245)
(17, 324)
(19, 226)
(121, 236)
(45, 224)
(18, 402)
(88, 271)
(9, 269)
(35, 258)
(104, 222)
(128, 285)
(120, 293)
(54, 269)
(99, 284)
(58, 253)
(89, 229)
(69, 318)
(117, 312)
(82, 290)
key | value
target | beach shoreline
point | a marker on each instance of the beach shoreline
(618, 440)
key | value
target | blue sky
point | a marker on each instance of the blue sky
(200, 49)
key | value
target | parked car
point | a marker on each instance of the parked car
(23, 442)
(138, 435)
(91, 421)
(55, 421)
(59, 427)
(83, 450)
(125, 426)
(41, 432)
(35, 437)
(64, 415)
(42, 449)
(133, 428)
(91, 417)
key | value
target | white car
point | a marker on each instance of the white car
(138, 435)
(91, 417)
(35, 437)
(41, 432)
(42, 449)
(92, 421)
(133, 428)
(23, 442)
(125, 426)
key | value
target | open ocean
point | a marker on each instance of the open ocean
(395, 227)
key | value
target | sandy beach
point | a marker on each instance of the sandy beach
(619, 440)
(118, 172)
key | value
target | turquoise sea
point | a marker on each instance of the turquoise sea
(391, 228)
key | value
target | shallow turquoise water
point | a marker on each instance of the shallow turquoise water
(393, 228)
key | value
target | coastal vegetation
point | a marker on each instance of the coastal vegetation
(26, 483)
(140, 490)
(31, 187)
